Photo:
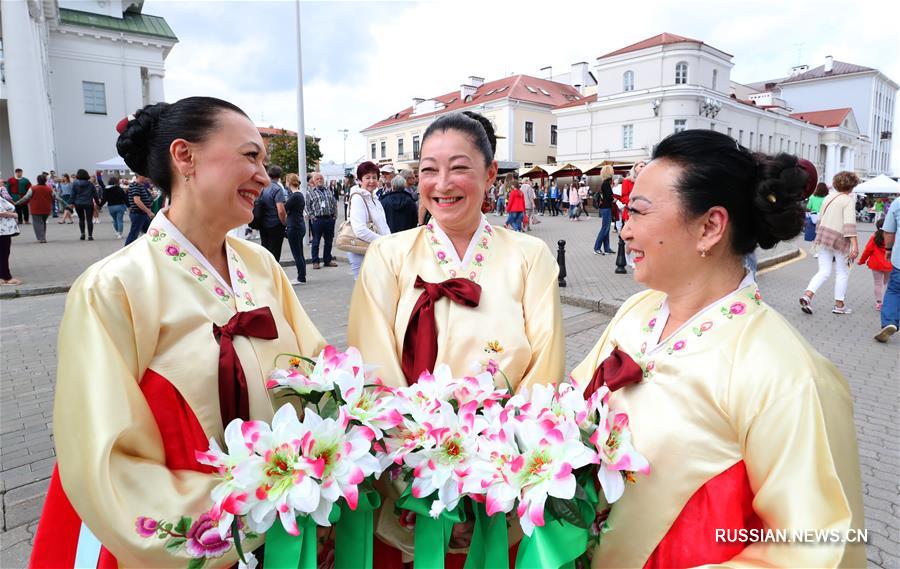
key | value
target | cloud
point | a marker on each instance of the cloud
(365, 60)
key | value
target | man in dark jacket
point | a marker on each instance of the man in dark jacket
(400, 209)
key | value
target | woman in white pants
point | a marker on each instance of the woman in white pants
(366, 214)
(836, 242)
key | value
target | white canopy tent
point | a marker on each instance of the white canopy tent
(114, 163)
(880, 184)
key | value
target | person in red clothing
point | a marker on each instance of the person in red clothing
(39, 200)
(515, 205)
(875, 257)
(627, 186)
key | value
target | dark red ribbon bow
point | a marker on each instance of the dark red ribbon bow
(420, 340)
(233, 399)
(616, 371)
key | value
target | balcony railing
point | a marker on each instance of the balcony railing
(408, 157)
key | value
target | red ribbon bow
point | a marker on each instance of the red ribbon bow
(233, 399)
(420, 340)
(616, 371)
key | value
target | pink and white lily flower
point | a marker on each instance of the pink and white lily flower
(373, 408)
(615, 454)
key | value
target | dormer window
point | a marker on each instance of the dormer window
(681, 73)
(628, 81)
(715, 78)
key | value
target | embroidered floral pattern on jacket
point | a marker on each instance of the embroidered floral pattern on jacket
(476, 264)
(200, 539)
(156, 235)
(175, 252)
(198, 272)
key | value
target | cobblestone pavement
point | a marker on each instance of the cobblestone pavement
(28, 365)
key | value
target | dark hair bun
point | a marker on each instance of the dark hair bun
(134, 141)
(487, 126)
(777, 198)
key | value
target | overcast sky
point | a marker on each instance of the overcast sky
(365, 60)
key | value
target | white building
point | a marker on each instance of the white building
(71, 69)
(836, 84)
(669, 83)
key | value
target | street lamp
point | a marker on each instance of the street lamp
(345, 132)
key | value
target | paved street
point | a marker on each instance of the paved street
(29, 325)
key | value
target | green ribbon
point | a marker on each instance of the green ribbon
(353, 543)
(286, 551)
(490, 541)
(557, 544)
(432, 536)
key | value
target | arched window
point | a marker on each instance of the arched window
(715, 78)
(628, 81)
(681, 70)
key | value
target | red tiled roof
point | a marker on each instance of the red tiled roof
(831, 117)
(581, 101)
(272, 131)
(519, 87)
(837, 68)
(655, 41)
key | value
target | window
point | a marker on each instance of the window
(781, 144)
(715, 80)
(529, 132)
(680, 125)
(770, 144)
(759, 147)
(750, 141)
(795, 148)
(373, 151)
(712, 126)
(552, 135)
(415, 147)
(399, 147)
(741, 137)
(681, 69)
(627, 135)
(94, 98)
(628, 81)
(383, 149)
(729, 132)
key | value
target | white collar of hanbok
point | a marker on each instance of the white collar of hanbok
(451, 250)
(662, 316)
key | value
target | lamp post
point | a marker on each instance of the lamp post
(301, 132)
(345, 132)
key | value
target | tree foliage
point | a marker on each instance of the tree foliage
(283, 152)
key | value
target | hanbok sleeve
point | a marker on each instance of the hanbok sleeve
(543, 322)
(800, 452)
(373, 313)
(110, 453)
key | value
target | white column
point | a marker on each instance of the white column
(155, 90)
(30, 121)
(851, 159)
(830, 162)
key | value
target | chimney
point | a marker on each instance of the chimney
(829, 63)
(798, 69)
(476, 81)
(578, 77)
(547, 72)
(466, 91)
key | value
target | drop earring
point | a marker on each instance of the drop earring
(704, 253)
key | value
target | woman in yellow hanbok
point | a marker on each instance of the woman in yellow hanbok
(746, 427)
(161, 345)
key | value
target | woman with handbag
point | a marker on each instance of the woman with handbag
(9, 228)
(366, 219)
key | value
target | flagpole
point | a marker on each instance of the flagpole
(301, 130)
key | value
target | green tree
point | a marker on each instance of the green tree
(283, 152)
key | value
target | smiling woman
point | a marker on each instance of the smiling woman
(166, 341)
(502, 307)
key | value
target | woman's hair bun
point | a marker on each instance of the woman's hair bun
(134, 141)
(488, 128)
(777, 198)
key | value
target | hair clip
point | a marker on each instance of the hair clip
(771, 198)
(123, 124)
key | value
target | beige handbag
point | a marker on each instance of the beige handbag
(346, 239)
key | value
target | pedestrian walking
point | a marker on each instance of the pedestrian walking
(65, 193)
(139, 212)
(501, 195)
(584, 199)
(515, 205)
(97, 181)
(835, 242)
(890, 308)
(322, 208)
(84, 197)
(9, 228)
(530, 199)
(601, 244)
(271, 230)
(294, 207)
(813, 206)
(574, 200)
(17, 186)
(875, 257)
(115, 199)
(400, 208)
(554, 199)
(39, 198)
(367, 216)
